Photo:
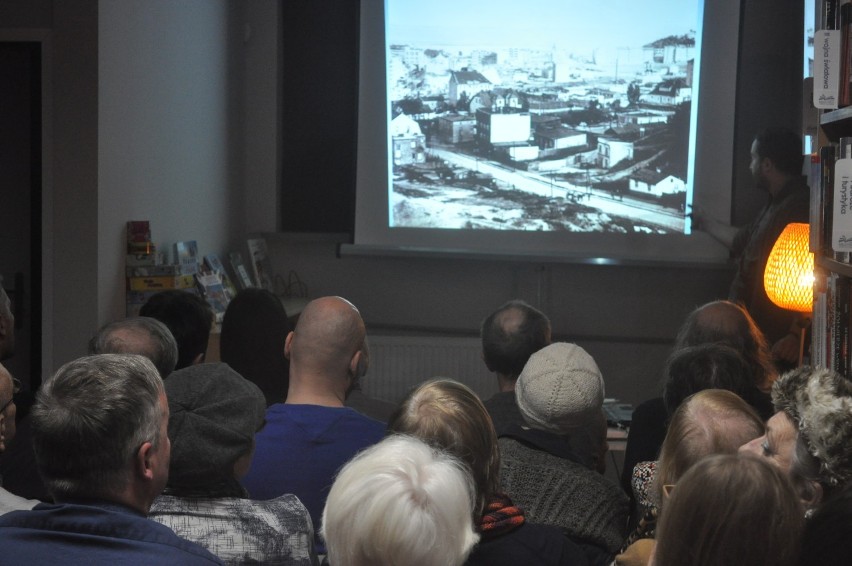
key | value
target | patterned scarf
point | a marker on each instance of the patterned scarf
(500, 517)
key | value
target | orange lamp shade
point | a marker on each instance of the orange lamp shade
(789, 275)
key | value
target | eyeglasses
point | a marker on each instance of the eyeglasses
(16, 388)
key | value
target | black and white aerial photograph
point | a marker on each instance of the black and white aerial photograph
(544, 115)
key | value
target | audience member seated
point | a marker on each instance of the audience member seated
(188, 317)
(254, 329)
(138, 335)
(718, 322)
(100, 436)
(697, 368)
(810, 436)
(826, 539)
(560, 394)
(713, 421)
(510, 335)
(400, 502)
(214, 414)
(728, 510)
(307, 439)
(8, 387)
(449, 416)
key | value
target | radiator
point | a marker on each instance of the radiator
(398, 363)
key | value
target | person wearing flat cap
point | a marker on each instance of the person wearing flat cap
(214, 415)
(560, 394)
(810, 436)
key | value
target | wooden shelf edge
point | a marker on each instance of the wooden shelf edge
(834, 266)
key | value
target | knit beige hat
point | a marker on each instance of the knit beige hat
(560, 389)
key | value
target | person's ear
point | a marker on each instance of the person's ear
(357, 365)
(144, 464)
(288, 345)
(813, 496)
(485, 360)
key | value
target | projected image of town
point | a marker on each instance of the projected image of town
(545, 115)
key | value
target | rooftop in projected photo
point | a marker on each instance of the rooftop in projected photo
(550, 115)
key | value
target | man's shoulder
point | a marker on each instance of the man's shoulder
(103, 533)
(312, 420)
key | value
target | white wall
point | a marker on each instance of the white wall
(164, 125)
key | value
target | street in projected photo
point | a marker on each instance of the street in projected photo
(566, 116)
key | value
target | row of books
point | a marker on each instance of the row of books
(832, 318)
(149, 271)
(830, 178)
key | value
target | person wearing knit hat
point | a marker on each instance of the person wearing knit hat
(551, 467)
(560, 389)
(810, 435)
(214, 415)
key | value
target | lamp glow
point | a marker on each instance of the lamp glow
(789, 275)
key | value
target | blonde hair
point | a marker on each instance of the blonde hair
(448, 415)
(713, 421)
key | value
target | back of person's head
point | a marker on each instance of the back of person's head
(90, 419)
(783, 147)
(826, 539)
(138, 335)
(706, 366)
(214, 414)
(400, 502)
(712, 421)
(730, 324)
(329, 340)
(511, 334)
(727, 510)
(254, 329)
(448, 415)
(560, 389)
(188, 317)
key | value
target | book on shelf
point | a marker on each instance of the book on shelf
(139, 237)
(238, 264)
(215, 265)
(214, 293)
(186, 255)
(261, 264)
(160, 283)
(827, 57)
(841, 216)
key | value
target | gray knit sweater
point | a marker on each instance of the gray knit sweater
(556, 491)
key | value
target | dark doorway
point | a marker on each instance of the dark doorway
(21, 201)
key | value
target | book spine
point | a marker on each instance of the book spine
(830, 14)
(841, 218)
(818, 329)
(827, 157)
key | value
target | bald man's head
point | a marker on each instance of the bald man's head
(329, 333)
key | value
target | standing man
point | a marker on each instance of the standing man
(100, 437)
(776, 166)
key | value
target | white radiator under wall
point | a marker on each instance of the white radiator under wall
(398, 363)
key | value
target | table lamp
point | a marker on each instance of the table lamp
(789, 275)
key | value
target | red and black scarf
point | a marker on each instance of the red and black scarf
(500, 516)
